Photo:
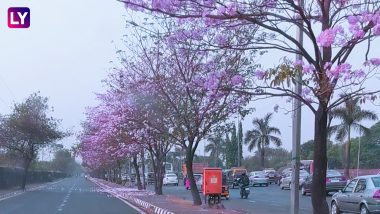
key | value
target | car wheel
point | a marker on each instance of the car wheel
(363, 209)
(266, 185)
(282, 188)
(335, 208)
(227, 197)
(303, 190)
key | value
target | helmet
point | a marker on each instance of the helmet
(244, 174)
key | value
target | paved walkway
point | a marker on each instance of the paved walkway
(168, 204)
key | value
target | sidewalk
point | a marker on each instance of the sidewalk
(157, 203)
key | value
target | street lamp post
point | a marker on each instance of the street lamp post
(296, 132)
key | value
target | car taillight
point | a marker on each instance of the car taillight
(342, 178)
(328, 180)
(376, 195)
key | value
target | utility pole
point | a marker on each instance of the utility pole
(296, 132)
(358, 166)
(238, 140)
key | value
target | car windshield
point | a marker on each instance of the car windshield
(197, 177)
(333, 173)
(376, 181)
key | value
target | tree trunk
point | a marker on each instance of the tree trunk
(157, 162)
(159, 176)
(136, 166)
(347, 154)
(119, 175)
(189, 167)
(318, 188)
(143, 168)
(25, 175)
(262, 157)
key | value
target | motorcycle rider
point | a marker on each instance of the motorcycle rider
(244, 180)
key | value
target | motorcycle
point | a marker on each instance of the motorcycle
(244, 191)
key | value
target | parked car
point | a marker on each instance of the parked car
(149, 177)
(170, 178)
(361, 195)
(271, 175)
(199, 181)
(286, 182)
(258, 178)
(335, 181)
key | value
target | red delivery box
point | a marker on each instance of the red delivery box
(212, 181)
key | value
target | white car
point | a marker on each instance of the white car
(170, 178)
(258, 178)
(199, 181)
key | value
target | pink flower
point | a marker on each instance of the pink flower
(298, 63)
(327, 37)
(353, 20)
(376, 30)
(375, 61)
(161, 4)
(231, 9)
(308, 69)
(341, 69)
(221, 40)
(359, 73)
(237, 80)
(359, 34)
(221, 10)
(260, 74)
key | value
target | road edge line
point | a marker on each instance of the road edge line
(120, 198)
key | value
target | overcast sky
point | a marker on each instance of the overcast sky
(67, 52)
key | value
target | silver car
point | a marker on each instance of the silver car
(286, 181)
(361, 195)
(258, 178)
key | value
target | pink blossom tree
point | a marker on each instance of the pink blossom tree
(333, 30)
(188, 83)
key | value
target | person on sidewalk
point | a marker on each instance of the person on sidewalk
(187, 183)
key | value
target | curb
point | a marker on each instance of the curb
(144, 204)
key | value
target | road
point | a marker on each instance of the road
(262, 200)
(69, 196)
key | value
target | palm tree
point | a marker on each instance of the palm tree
(262, 135)
(350, 115)
(215, 147)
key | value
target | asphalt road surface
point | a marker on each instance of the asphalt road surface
(262, 200)
(69, 196)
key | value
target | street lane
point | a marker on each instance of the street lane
(69, 196)
(262, 200)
